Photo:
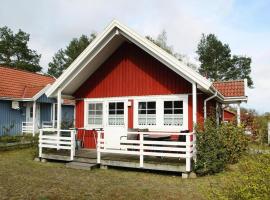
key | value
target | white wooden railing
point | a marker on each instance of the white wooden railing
(47, 124)
(27, 127)
(142, 147)
(53, 139)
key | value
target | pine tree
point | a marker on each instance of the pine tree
(15, 53)
(63, 58)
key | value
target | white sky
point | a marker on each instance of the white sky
(243, 24)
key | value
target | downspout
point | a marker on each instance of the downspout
(205, 101)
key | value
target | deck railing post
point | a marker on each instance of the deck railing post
(194, 147)
(74, 141)
(40, 143)
(98, 147)
(59, 115)
(72, 148)
(269, 133)
(188, 157)
(34, 118)
(141, 149)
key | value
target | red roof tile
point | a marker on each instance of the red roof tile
(68, 102)
(21, 84)
(234, 88)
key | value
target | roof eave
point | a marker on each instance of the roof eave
(228, 100)
(239, 99)
(41, 92)
(169, 59)
(50, 92)
(16, 99)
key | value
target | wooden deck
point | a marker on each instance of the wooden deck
(120, 160)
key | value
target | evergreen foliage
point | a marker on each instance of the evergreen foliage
(64, 57)
(218, 64)
(15, 53)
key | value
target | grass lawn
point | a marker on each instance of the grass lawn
(23, 178)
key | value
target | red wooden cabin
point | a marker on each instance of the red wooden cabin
(123, 81)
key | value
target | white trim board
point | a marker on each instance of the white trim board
(41, 92)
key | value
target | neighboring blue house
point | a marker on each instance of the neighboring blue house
(24, 107)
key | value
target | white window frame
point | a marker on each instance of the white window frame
(107, 113)
(173, 115)
(86, 106)
(146, 114)
(160, 112)
(105, 102)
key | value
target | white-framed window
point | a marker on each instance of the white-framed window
(95, 114)
(165, 113)
(116, 114)
(147, 113)
(173, 113)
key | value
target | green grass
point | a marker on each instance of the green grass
(259, 146)
(23, 178)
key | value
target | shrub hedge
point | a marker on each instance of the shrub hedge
(251, 180)
(17, 142)
(218, 145)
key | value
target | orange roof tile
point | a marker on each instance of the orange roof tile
(21, 84)
(68, 102)
(234, 88)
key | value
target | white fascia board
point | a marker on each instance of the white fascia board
(176, 65)
(41, 92)
(91, 56)
(78, 60)
(168, 58)
(219, 95)
(16, 99)
(235, 99)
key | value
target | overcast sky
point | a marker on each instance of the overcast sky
(243, 24)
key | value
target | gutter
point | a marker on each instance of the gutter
(205, 108)
(16, 99)
(218, 94)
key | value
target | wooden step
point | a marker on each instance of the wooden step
(85, 160)
(81, 165)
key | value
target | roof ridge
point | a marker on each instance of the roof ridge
(25, 71)
(226, 81)
(24, 91)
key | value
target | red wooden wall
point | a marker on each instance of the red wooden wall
(211, 106)
(86, 136)
(130, 114)
(130, 71)
(228, 116)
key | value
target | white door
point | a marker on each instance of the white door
(115, 124)
(29, 114)
(37, 124)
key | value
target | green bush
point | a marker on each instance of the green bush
(260, 129)
(218, 145)
(234, 140)
(211, 155)
(17, 142)
(251, 180)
